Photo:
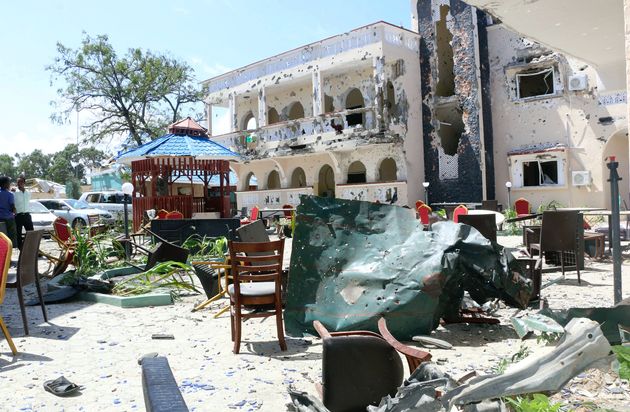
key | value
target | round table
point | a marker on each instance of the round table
(498, 217)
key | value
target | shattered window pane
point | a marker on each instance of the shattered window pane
(538, 83)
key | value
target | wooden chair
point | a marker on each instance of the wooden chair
(27, 273)
(360, 367)
(424, 213)
(522, 207)
(559, 232)
(66, 242)
(459, 210)
(6, 248)
(161, 214)
(419, 203)
(490, 205)
(256, 269)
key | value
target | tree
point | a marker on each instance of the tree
(136, 95)
(35, 164)
(7, 166)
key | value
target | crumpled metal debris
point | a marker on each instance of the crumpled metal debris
(353, 262)
(535, 322)
(582, 345)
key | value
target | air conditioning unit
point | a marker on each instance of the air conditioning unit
(578, 82)
(581, 178)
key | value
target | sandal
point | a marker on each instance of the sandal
(61, 387)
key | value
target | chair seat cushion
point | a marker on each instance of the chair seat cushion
(255, 289)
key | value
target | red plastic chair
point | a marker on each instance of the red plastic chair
(522, 207)
(161, 214)
(424, 212)
(63, 234)
(459, 210)
(5, 262)
(174, 215)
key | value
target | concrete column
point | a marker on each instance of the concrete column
(318, 94)
(209, 118)
(262, 107)
(233, 114)
(379, 81)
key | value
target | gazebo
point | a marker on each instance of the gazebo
(185, 156)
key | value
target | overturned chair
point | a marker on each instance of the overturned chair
(360, 367)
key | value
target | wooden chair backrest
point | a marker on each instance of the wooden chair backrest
(522, 206)
(559, 230)
(6, 248)
(62, 229)
(419, 203)
(424, 212)
(459, 210)
(256, 261)
(27, 268)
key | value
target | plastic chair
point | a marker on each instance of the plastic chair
(424, 212)
(6, 248)
(522, 207)
(360, 367)
(459, 210)
(256, 269)
(161, 214)
(27, 273)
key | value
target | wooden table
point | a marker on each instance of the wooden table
(498, 217)
(608, 213)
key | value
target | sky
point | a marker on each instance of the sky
(212, 36)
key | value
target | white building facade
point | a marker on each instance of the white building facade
(340, 117)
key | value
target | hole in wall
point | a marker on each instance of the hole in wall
(446, 79)
(450, 127)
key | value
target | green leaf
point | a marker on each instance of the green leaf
(623, 355)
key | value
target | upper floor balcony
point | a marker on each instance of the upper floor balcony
(337, 93)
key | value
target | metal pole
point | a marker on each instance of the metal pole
(614, 222)
(127, 244)
(509, 205)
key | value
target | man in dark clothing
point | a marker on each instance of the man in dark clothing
(7, 208)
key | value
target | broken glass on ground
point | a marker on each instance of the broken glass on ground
(353, 262)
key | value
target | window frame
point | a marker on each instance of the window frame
(517, 164)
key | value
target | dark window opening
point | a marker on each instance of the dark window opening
(390, 102)
(356, 178)
(328, 104)
(446, 79)
(450, 129)
(272, 116)
(354, 101)
(296, 111)
(537, 173)
(539, 83)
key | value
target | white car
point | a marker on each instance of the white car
(42, 218)
(112, 201)
(78, 213)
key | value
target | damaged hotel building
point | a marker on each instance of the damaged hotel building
(461, 102)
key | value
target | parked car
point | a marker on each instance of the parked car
(112, 201)
(77, 212)
(42, 218)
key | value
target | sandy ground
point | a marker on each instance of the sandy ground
(98, 346)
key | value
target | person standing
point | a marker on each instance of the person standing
(7, 207)
(22, 214)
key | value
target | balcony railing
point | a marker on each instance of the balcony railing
(300, 131)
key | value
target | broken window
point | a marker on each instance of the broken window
(450, 127)
(273, 181)
(390, 102)
(443, 37)
(387, 172)
(272, 116)
(540, 173)
(535, 83)
(296, 111)
(356, 173)
(354, 100)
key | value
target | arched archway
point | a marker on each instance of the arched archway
(248, 122)
(272, 116)
(273, 180)
(617, 146)
(354, 100)
(388, 171)
(296, 111)
(251, 183)
(298, 178)
(326, 182)
(356, 173)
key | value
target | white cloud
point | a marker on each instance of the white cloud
(47, 138)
